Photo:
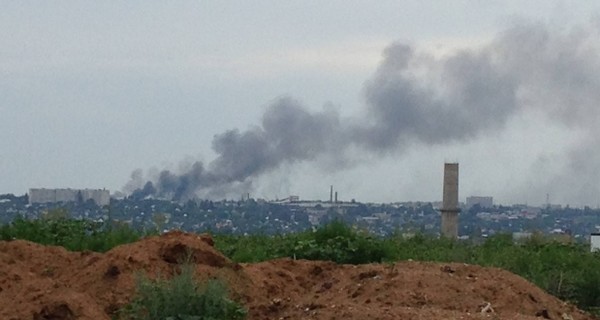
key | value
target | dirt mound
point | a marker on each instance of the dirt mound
(42, 282)
(407, 290)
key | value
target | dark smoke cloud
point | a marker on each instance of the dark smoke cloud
(289, 133)
(476, 95)
(414, 97)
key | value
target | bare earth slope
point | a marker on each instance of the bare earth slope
(43, 282)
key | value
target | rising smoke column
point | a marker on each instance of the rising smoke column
(418, 97)
(288, 134)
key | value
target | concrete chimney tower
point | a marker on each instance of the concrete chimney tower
(450, 208)
(331, 194)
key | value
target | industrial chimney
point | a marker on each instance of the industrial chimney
(331, 194)
(450, 208)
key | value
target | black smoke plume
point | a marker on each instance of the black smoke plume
(415, 97)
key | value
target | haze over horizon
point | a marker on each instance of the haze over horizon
(274, 99)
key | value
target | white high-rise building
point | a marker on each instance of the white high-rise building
(41, 195)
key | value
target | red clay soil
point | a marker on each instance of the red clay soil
(43, 282)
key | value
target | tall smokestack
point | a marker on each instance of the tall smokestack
(331, 194)
(450, 209)
(336, 197)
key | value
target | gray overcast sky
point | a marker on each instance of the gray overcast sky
(92, 90)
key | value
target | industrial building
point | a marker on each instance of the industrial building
(41, 195)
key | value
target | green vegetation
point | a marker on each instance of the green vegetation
(335, 242)
(181, 298)
(566, 270)
(74, 235)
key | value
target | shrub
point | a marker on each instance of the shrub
(181, 298)
(340, 243)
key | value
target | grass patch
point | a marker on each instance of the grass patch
(181, 298)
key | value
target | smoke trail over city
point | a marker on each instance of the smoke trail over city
(415, 97)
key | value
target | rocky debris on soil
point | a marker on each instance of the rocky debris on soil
(291, 289)
(45, 282)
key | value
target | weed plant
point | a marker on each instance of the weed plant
(181, 298)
